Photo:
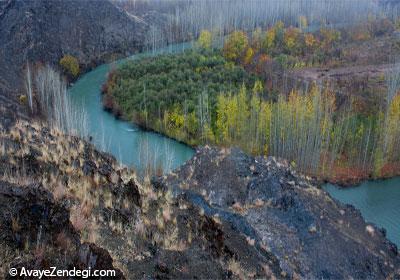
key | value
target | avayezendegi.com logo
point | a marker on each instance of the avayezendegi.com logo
(54, 272)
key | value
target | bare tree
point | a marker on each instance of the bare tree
(55, 105)
(28, 85)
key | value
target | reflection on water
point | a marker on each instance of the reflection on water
(129, 144)
(378, 201)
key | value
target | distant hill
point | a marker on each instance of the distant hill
(45, 30)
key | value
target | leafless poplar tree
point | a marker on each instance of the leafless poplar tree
(55, 105)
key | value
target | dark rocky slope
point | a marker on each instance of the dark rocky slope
(40, 230)
(222, 215)
(284, 215)
(44, 30)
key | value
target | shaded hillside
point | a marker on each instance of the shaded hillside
(44, 31)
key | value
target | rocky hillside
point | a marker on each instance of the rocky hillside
(45, 30)
(283, 215)
(222, 215)
(60, 196)
(35, 222)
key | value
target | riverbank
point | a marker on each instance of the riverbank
(339, 175)
(146, 128)
(127, 142)
(351, 177)
(377, 201)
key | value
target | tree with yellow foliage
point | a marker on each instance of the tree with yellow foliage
(70, 65)
(329, 36)
(303, 23)
(243, 114)
(221, 124)
(255, 103)
(258, 87)
(392, 128)
(269, 41)
(257, 40)
(205, 39)
(291, 39)
(235, 46)
(176, 119)
(231, 117)
(264, 127)
(310, 40)
(248, 57)
(279, 32)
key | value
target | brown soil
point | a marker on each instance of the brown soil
(330, 74)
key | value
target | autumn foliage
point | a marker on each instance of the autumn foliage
(235, 46)
(70, 65)
(221, 102)
(205, 40)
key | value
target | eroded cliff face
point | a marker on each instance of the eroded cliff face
(223, 214)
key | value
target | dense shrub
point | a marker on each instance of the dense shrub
(70, 65)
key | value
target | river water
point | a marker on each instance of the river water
(128, 143)
(378, 201)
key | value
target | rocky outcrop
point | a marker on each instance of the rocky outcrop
(282, 214)
(37, 234)
(47, 203)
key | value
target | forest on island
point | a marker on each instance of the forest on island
(226, 96)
